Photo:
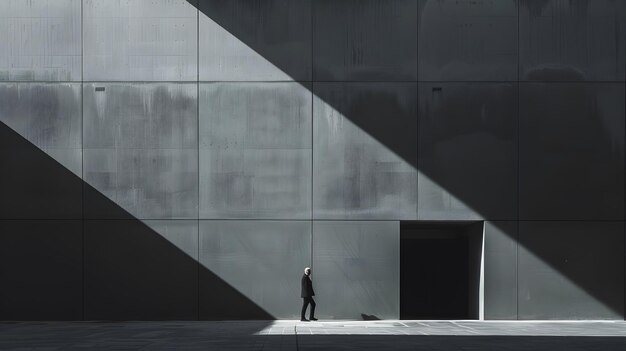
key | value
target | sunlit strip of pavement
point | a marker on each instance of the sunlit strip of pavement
(460, 327)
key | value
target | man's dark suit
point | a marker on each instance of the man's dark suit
(307, 294)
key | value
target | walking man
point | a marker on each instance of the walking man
(307, 296)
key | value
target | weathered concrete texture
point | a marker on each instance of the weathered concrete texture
(148, 183)
(356, 269)
(255, 151)
(141, 148)
(135, 115)
(183, 234)
(48, 116)
(263, 260)
(41, 270)
(500, 270)
(41, 40)
(365, 150)
(141, 271)
(467, 151)
(467, 40)
(255, 40)
(36, 181)
(572, 40)
(365, 40)
(571, 270)
(571, 151)
(140, 40)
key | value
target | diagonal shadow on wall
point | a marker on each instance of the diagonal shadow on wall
(55, 265)
(37, 187)
(468, 159)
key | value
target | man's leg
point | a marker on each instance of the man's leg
(305, 303)
(312, 314)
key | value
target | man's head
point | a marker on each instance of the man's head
(307, 271)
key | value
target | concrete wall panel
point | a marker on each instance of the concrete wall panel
(141, 149)
(572, 40)
(148, 183)
(356, 269)
(467, 151)
(41, 40)
(183, 234)
(255, 151)
(571, 270)
(136, 115)
(48, 116)
(372, 40)
(140, 40)
(255, 40)
(365, 150)
(263, 260)
(40, 151)
(500, 270)
(141, 271)
(41, 272)
(571, 151)
(467, 40)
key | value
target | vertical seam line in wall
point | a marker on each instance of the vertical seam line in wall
(417, 114)
(518, 167)
(623, 207)
(312, 27)
(82, 153)
(417, 43)
(624, 197)
(517, 235)
(518, 41)
(198, 156)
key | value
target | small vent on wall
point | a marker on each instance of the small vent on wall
(99, 88)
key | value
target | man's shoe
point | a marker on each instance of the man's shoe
(313, 318)
(304, 320)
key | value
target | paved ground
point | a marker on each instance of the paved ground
(331, 335)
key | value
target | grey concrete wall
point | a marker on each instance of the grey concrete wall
(355, 174)
(141, 148)
(573, 173)
(255, 150)
(467, 151)
(163, 139)
(140, 40)
(41, 271)
(41, 40)
(564, 275)
(264, 260)
(356, 269)
(273, 40)
(132, 274)
(465, 41)
(500, 270)
(378, 41)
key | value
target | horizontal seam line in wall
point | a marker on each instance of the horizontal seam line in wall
(220, 219)
(95, 148)
(241, 219)
(315, 220)
(301, 81)
(567, 220)
(41, 219)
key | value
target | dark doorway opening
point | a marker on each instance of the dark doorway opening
(440, 270)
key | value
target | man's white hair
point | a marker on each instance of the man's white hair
(307, 269)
